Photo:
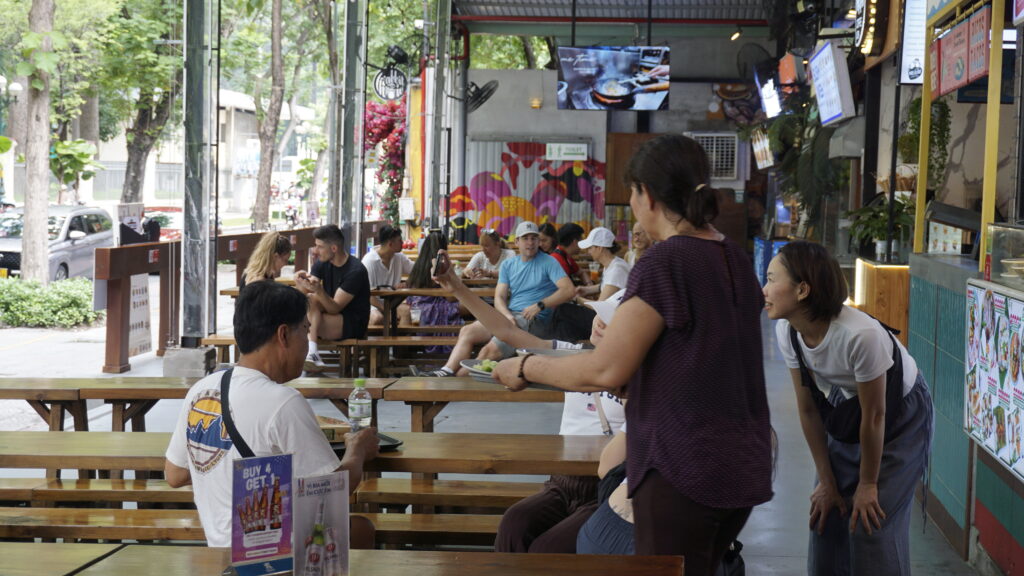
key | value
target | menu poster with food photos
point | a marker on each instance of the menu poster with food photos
(994, 384)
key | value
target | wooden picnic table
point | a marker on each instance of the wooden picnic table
(427, 397)
(132, 397)
(48, 558)
(422, 452)
(135, 559)
(392, 298)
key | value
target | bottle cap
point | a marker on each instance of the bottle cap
(360, 383)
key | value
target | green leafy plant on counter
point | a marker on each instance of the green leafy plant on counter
(871, 223)
(64, 304)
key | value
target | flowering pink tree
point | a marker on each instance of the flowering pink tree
(384, 122)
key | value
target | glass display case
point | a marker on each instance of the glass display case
(1005, 260)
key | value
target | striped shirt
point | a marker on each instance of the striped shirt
(698, 409)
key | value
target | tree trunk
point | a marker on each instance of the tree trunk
(35, 245)
(89, 121)
(145, 130)
(531, 58)
(293, 118)
(553, 51)
(267, 128)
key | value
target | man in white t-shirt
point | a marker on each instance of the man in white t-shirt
(271, 330)
(385, 266)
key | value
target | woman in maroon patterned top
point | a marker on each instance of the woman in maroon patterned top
(687, 339)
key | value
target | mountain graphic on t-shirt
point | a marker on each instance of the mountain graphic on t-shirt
(207, 436)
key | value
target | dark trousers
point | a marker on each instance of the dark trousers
(549, 520)
(669, 523)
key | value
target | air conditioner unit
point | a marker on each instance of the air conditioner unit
(727, 155)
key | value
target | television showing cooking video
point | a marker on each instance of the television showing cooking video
(613, 78)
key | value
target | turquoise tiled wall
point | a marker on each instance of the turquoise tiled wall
(936, 341)
(1001, 501)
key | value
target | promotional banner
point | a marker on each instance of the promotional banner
(934, 65)
(994, 386)
(321, 525)
(140, 331)
(954, 59)
(261, 515)
(977, 65)
(912, 48)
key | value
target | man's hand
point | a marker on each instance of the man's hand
(363, 443)
(531, 311)
(402, 285)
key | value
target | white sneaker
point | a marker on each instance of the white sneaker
(314, 363)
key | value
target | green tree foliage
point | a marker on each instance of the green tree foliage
(72, 160)
(506, 52)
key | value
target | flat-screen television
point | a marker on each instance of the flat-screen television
(830, 77)
(613, 78)
(768, 89)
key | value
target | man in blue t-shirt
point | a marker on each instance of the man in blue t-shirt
(529, 288)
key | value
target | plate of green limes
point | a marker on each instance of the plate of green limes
(480, 370)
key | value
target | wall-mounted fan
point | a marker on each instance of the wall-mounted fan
(476, 95)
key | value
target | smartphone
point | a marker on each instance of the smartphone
(441, 264)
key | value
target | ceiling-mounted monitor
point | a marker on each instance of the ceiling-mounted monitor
(613, 78)
(831, 80)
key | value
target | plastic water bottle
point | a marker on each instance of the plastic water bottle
(360, 405)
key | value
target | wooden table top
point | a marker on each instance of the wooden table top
(462, 389)
(472, 453)
(157, 388)
(137, 559)
(47, 558)
(481, 291)
(421, 452)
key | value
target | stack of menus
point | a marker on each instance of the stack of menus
(994, 385)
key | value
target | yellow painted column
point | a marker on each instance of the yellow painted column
(923, 143)
(995, 89)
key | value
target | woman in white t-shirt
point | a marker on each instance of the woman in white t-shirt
(601, 245)
(487, 262)
(866, 471)
(550, 520)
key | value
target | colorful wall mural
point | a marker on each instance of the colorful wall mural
(514, 181)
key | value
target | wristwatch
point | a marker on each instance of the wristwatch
(541, 305)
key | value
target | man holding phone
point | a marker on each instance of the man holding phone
(339, 294)
(529, 288)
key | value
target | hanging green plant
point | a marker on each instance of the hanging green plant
(909, 142)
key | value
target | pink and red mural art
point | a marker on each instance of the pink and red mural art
(528, 186)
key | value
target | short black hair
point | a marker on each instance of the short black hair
(548, 229)
(569, 233)
(811, 263)
(263, 306)
(386, 233)
(330, 234)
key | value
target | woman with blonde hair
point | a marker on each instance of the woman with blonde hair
(268, 258)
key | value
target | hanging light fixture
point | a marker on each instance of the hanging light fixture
(736, 34)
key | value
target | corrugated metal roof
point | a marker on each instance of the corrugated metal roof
(611, 10)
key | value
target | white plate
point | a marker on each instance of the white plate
(548, 352)
(477, 374)
(486, 377)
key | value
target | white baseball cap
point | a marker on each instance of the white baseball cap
(606, 308)
(599, 236)
(526, 227)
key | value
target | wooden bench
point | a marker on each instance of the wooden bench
(106, 490)
(224, 342)
(119, 524)
(18, 489)
(457, 493)
(374, 345)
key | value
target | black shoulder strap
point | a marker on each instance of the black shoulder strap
(227, 420)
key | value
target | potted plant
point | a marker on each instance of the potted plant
(872, 223)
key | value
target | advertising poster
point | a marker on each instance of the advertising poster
(977, 66)
(140, 331)
(994, 384)
(934, 65)
(321, 525)
(912, 47)
(261, 514)
(1018, 12)
(954, 59)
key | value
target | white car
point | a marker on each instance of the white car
(75, 232)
